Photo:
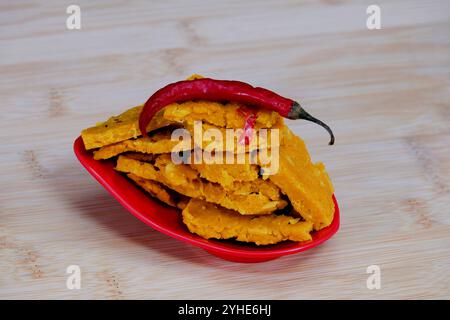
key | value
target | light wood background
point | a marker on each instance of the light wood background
(385, 92)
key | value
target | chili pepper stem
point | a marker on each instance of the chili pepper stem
(297, 112)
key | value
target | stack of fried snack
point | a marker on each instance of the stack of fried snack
(222, 201)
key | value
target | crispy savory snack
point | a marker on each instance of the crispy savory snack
(185, 180)
(238, 178)
(277, 193)
(218, 114)
(259, 142)
(145, 157)
(119, 128)
(160, 192)
(212, 221)
(158, 143)
(161, 142)
(227, 174)
(125, 126)
(307, 186)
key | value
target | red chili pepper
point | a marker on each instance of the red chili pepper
(223, 90)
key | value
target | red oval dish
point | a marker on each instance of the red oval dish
(168, 220)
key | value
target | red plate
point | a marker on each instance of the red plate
(167, 220)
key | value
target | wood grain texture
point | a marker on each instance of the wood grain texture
(385, 92)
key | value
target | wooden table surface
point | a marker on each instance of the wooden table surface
(385, 92)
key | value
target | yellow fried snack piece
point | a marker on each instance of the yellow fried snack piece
(227, 174)
(218, 114)
(185, 180)
(243, 188)
(183, 202)
(229, 168)
(307, 186)
(264, 187)
(194, 76)
(118, 128)
(212, 221)
(238, 178)
(158, 143)
(162, 142)
(263, 138)
(126, 125)
(160, 192)
(145, 157)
